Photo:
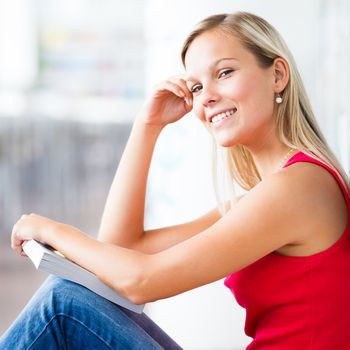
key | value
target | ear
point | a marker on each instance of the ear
(281, 74)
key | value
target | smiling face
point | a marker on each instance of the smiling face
(232, 95)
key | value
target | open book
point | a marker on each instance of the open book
(48, 260)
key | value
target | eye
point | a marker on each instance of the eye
(196, 88)
(225, 72)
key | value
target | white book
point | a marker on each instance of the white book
(48, 260)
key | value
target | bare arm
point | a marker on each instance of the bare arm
(123, 217)
(251, 229)
(124, 227)
(156, 240)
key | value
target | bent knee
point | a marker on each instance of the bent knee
(65, 295)
(60, 286)
(61, 293)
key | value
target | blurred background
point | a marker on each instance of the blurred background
(73, 75)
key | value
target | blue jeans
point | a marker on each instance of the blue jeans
(64, 315)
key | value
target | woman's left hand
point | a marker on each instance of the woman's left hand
(31, 227)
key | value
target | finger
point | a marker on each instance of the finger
(16, 243)
(13, 233)
(18, 247)
(172, 87)
(182, 83)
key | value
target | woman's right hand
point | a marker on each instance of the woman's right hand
(168, 103)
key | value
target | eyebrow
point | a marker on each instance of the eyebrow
(215, 63)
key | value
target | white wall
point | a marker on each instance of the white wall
(332, 90)
(18, 59)
(180, 181)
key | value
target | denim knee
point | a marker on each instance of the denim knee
(63, 296)
(63, 314)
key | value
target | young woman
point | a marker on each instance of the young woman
(284, 247)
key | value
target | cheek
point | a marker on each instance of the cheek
(264, 102)
(257, 95)
(198, 110)
(239, 89)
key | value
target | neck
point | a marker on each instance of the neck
(270, 159)
(269, 154)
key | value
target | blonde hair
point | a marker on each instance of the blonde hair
(296, 125)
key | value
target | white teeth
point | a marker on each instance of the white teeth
(223, 115)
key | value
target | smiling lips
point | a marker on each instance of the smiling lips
(217, 118)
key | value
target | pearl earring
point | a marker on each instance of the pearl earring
(279, 99)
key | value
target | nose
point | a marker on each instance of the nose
(209, 96)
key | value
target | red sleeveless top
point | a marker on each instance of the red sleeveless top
(298, 302)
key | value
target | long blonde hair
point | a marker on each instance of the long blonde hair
(296, 125)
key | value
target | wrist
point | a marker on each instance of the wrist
(141, 120)
(146, 127)
(49, 236)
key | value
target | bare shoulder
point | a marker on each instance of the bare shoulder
(311, 183)
(317, 206)
(307, 171)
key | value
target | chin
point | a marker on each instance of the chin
(225, 142)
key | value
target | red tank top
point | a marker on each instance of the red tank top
(297, 303)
